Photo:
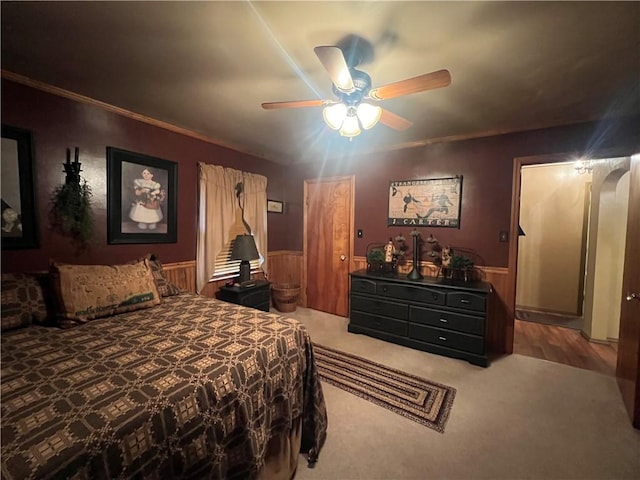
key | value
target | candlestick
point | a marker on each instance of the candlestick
(415, 271)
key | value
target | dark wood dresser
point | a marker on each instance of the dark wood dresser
(440, 316)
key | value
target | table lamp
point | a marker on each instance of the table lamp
(244, 249)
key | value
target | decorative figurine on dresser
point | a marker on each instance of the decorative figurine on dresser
(442, 315)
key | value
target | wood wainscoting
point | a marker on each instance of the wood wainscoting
(284, 267)
(182, 274)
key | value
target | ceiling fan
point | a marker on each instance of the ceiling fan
(352, 87)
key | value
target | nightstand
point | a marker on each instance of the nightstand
(255, 296)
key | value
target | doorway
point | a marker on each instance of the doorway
(558, 273)
(552, 246)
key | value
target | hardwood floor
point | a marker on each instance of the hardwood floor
(564, 345)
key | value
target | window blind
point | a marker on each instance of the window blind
(225, 268)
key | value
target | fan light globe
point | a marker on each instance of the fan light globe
(368, 115)
(334, 115)
(350, 126)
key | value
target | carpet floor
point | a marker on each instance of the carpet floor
(415, 398)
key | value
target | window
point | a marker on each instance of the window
(226, 268)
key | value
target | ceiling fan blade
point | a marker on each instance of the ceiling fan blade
(428, 81)
(333, 61)
(394, 121)
(295, 104)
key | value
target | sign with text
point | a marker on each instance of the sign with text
(425, 203)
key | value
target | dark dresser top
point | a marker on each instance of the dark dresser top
(476, 286)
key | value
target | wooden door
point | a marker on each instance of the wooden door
(328, 223)
(628, 369)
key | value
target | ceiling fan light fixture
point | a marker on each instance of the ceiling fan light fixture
(334, 115)
(350, 126)
(368, 115)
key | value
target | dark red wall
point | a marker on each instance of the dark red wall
(486, 165)
(57, 123)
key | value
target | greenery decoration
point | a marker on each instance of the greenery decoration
(71, 212)
(460, 261)
(375, 255)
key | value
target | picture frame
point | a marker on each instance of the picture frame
(275, 206)
(425, 203)
(141, 207)
(19, 212)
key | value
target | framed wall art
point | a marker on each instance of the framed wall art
(19, 214)
(425, 203)
(142, 198)
(275, 206)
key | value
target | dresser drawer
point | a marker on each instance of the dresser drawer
(411, 293)
(374, 322)
(468, 301)
(379, 307)
(450, 320)
(447, 338)
(362, 285)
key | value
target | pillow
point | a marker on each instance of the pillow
(85, 292)
(165, 287)
(23, 300)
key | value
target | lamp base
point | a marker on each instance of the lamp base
(415, 274)
(245, 271)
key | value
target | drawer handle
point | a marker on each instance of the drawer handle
(462, 300)
(435, 296)
(444, 320)
(444, 339)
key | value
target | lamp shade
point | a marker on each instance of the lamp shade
(244, 248)
(350, 127)
(369, 115)
(335, 115)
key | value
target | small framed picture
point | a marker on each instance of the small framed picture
(275, 206)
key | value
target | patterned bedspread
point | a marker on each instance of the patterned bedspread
(192, 388)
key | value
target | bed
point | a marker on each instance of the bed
(189, 387)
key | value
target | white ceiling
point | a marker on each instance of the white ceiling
(207, 66)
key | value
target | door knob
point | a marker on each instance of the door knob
(343, 257)
(633, 296)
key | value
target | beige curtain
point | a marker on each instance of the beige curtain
(218, 212)
(254, 201)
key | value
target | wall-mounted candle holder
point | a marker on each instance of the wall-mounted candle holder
(71, 213)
